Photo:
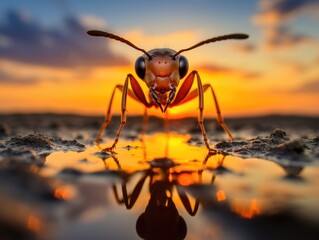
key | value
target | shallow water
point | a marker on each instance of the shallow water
(164, 187)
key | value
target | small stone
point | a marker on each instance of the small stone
(4, 129)
(293, 146)
(279, 134)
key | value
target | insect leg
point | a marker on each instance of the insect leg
(137, 94)
(130, 199)
(108, 115)
(123, 116)
(195, 93)
(145, 122)
(201, 109)
(220, 120)
(185, 200)
(184, 90)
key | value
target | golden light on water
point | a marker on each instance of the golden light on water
(185, 179)
(221, 196)
(164, 167)
(63, 193)
(246, 208)
(34, 223)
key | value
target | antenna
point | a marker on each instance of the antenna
(214, 39)
(98, 33)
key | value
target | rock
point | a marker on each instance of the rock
(4, 129)
(278, 136)
(35, 140)
(293, 146)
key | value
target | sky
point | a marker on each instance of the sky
(49, 64)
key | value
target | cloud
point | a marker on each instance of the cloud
(6, 78)
(92, 21)
(274, 12)
(275, 16)
(308, 87)
(283, 37)
(244, 48)
(217, 69)
(25, 40)
(294, 66)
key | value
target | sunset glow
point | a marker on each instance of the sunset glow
(245, 208)
(221, 196)
(34, 223)
(49, 64)
(62, 193)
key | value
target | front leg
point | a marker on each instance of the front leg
(201, 110)
(123, 116)
(184, 95)
(133, 94)
(137, 94)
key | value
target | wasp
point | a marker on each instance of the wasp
(162, 70)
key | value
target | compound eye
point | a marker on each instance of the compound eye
(140, 67)
(183, 66)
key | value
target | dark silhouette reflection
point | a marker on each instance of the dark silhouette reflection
(161, 219)
(292, 171)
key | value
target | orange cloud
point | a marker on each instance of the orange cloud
(311, 86)
(239, 73)
(244, 47)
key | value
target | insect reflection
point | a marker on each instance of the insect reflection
(161, 219)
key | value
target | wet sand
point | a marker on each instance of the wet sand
(34, 202)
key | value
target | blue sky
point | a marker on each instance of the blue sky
(152, 16)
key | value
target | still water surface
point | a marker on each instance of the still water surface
(164, 188)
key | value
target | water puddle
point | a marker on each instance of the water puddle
(164, 188)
